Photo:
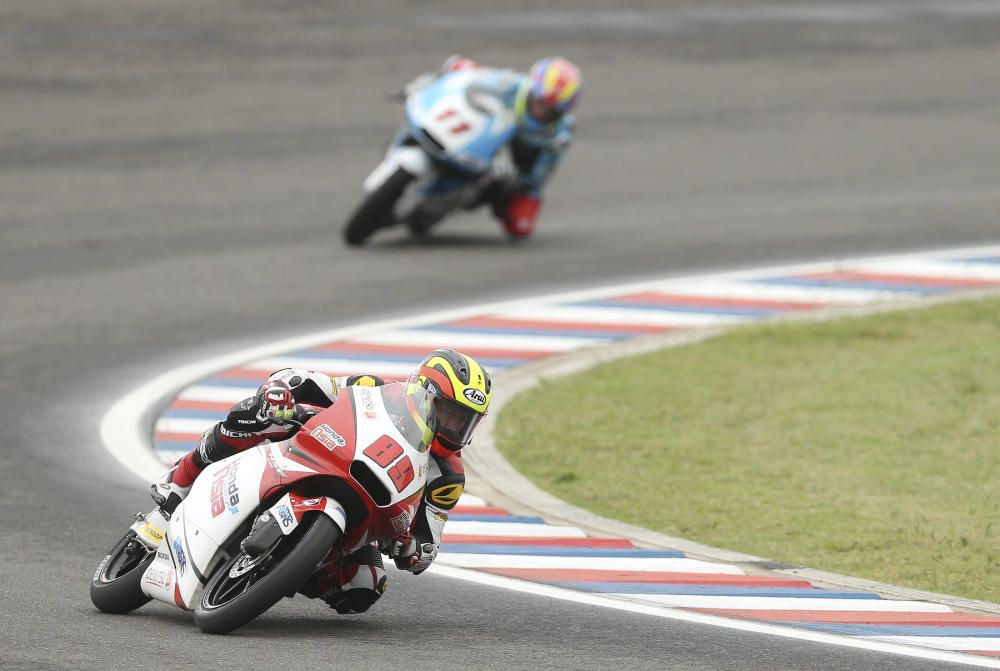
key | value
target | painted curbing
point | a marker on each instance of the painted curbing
(508, 487)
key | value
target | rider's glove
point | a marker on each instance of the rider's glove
(272, 404)
(417, 83)
(455, 63)
(275, 402)
(411, 556)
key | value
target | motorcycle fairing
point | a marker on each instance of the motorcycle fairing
(459, 126)
(228, 493)
(222, 499)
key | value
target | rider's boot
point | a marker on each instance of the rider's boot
(167, 494)
(351, 585)
(420, 222)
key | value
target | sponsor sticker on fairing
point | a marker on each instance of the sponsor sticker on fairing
(225, 491)
(181, 557)
(160, 578)
(152, 533)
(285, 515)
(368, 403)
(329, 438)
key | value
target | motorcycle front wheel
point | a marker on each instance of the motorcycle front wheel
(241, 588)
(115, 586)
(376, 211)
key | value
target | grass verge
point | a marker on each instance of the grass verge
(864, 446)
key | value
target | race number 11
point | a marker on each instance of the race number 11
(457, 129)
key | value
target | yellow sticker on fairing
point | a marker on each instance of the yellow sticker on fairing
(447, 495)
(152, 533)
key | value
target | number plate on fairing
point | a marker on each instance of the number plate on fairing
(384, 450)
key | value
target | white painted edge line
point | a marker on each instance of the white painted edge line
(125, 431)
(591, 599)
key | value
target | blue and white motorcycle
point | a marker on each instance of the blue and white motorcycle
(448, 151)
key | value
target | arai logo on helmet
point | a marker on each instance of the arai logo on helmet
(474, 395)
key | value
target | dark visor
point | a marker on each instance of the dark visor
(455, 422)
(541, 111)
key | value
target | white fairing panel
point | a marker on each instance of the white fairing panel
(160, 577)
(411, 159)
(223, 497)
(373, 423)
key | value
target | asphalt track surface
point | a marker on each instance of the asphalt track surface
(173, 177)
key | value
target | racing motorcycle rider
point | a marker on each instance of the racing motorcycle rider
(540, 102)
(461, 392)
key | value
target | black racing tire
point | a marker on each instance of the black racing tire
(230, 602)
(376, 211)
(115, 585)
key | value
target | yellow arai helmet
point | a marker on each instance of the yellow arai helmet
(461, 392)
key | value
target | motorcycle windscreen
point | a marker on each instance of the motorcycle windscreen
(411, 410)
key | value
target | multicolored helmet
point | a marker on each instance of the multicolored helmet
(461, 394)
(554, 88)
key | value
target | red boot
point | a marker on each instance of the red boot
(520, 215)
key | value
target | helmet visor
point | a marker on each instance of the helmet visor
(542, 111)
(455, 422)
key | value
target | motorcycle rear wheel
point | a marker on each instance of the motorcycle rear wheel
(230, 601)
(376, 211)
(115, 586)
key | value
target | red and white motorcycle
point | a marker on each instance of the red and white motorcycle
(257, 525)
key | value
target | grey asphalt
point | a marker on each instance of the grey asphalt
(173, 178)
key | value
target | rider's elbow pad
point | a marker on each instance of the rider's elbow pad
(444, 491)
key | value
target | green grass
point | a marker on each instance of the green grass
(864, 446)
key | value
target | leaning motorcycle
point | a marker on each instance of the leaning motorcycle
(257, 525)
(448, 150)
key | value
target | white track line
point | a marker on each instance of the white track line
(271, 364)
(627, 316)
(962, 271)
(460, 340)
(945, 642)
(217, 394)
(522, 530)
(177, 425)
(785, 603)
(669, 564)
